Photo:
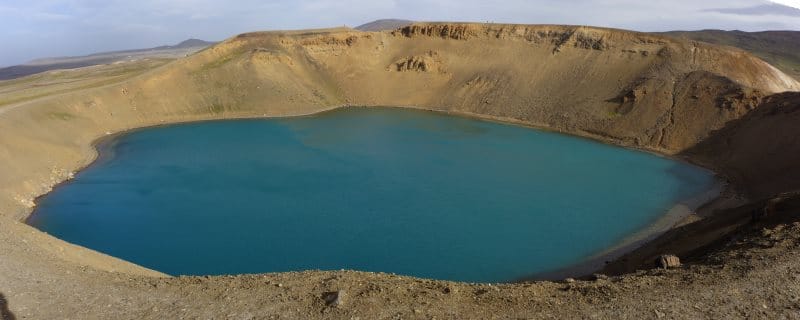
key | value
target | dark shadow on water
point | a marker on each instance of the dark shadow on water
(5, 314)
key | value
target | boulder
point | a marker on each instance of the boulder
(333, 298)
(668, 261)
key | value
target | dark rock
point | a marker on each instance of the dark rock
(333, 298)
(5, 313)
(668, 261)
(598, 276)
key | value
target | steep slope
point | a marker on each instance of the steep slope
(623, 87)
(760, 149)
(630, 88)
(779, 48)
(759, 152)
(715, 105)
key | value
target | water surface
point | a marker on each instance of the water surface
(391, 190)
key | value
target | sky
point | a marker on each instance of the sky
(32, 29)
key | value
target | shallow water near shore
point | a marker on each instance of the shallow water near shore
(372, 189)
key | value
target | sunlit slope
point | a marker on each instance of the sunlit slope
(779, 48)
(629, 87)
(622, 87)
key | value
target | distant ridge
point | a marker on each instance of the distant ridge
(384, 24)
(194, 43)
(46, 64)
(718, 107)
(780, 48)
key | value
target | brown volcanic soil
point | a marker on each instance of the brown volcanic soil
(780, 48)
(718, 107)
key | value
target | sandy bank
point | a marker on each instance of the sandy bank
(103, 148)
(715, 106)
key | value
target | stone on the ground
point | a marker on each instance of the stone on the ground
(668, 261)
(333, 298)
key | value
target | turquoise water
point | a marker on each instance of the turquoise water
(391, 190)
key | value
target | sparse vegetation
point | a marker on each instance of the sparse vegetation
(217, 63)
(58, 82)
(216, 107)
(62, 115)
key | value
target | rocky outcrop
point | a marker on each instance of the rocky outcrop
(718, 107)
(668, 261)
(5, 314)
(580, 38)
(428, 62)
(348, 40)
(559, 37)
(334, 298)
(446, 31)
(263, 55)
(629, 98)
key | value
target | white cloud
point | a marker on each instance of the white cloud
(70, 27)
(791, 3)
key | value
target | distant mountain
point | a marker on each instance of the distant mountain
(780, 48)
(195, 43)
(45, 64)
(384, 24)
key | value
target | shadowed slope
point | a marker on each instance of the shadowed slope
(761, 150)
(5, 314)
(621, 87)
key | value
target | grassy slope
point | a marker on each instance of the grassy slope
(61, 81)
(779, 48)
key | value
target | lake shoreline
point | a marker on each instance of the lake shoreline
(490, 69)
(674, 217)
(103, 148)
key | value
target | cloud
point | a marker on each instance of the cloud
(790, 3)
(761, 10)
(46, 16)
(36, 28)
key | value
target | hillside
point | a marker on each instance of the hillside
(779, 48)
(628, 87)
(46, 64)
(384, 25)
(719, 107)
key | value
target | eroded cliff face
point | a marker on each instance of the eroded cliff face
(623, 87)
(719, 107)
